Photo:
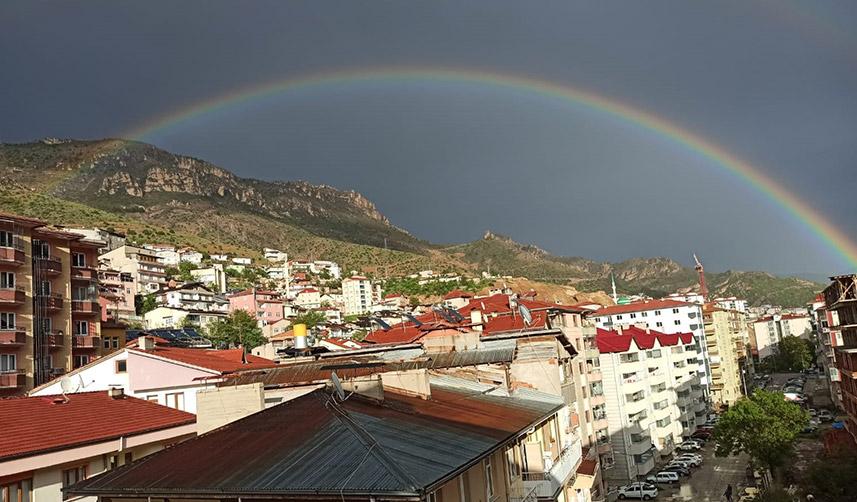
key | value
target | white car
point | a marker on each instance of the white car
(663, 477)
(686, 462)
(695, 457)
(638, 490)
(691, 446)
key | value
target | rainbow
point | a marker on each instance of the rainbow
(831, 237)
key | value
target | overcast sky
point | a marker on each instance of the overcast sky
(772, 82)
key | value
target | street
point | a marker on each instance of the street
(709, 481)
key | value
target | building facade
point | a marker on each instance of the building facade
(840, 297)
(265, 306)
(143, 264)
(770, 330)
(725, 335)
(358, 295)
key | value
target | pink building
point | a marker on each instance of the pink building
(267, 305)
(116, 295)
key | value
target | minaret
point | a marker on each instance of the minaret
(613, 282)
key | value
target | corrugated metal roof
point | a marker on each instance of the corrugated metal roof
(311, 446)
(352, 367)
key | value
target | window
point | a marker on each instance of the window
(176, 400)
(41, 249)
(7, 320)
(619, 317)
(675, 311)
(115, 342)
(72, 476)
(44, 288)
(654, 353)
(8, 362)
(81, 328)
(121, 366)
(105, 342)
(659, 324)
(644, 314)
(17, 491)
(633, 315)
(677, 322)
(152, 397)
(7, 280)
(80, 361)
(489, 478)
(657, 312)
(46, 325)
(6, 239)
(78, 260)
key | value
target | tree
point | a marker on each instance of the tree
(145, 303)
(238, 329)
(311, 318)
(794, 354)
(833, 478)
(764, 425)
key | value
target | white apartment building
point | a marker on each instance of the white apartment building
(666, 316)
(166, 254)
(193, 296)
(142, 264)
(190, 256)
(769, 331)
(309, 298)
(358, 294)
(653, 396)
(275, 255)
(732, 303)
(212, 275)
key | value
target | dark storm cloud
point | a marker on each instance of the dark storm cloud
(773, 82)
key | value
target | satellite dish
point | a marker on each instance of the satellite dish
(525, 313)
(337, 386)
(66, 385)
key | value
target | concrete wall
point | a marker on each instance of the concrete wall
(219, 406)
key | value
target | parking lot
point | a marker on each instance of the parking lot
(708, 482)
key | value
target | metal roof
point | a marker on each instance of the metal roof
(313, 446)
(351, 367)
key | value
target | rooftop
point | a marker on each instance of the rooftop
(220, 361)
(314, 447)
(640, 307)
(34, 425)
(610, 341)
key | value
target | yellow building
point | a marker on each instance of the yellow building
(49, 311)
(725, 334)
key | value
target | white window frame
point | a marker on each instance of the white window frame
(7, 239)
(7, 280)
(78, 263)
(8, 321)
(8, 363)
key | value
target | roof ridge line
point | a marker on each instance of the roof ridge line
(374, 447)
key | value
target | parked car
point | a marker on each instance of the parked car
(699, 441)
(703, 435)
(825, 416)
(638, 490)
(663, 477)
(680, 469)
(691, 446)
(689, 459)
(812, 412)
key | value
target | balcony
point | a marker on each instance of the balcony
(597, 399)
(50, 265)
(12, 379)
(13, 256)
(557, 473)
(83, 274)
(13, 337)
(15, 296)
(50, 302)
(88, 307)
(53, 341)
(639, 444)
(85, 341)
(56, 372)
(569, 393)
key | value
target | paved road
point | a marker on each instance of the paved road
(708, 482)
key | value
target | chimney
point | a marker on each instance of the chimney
(300, 336)
(476, 319)
(146, 343)
(116, 392)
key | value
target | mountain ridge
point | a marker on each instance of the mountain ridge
(155, 194)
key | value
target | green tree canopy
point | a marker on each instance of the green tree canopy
(794, 354)
(833, 479)
(311, 318)
(238, 329)
(763, 425)
(145, 303)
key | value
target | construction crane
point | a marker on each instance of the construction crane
(703, 289)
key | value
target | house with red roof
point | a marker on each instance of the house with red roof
(457, 298)
(653, 394)
(170, 376)
(51, 442)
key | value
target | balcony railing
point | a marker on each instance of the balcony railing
(53, 340)
(13, 296)
(85, 307)
(84, 341)
(52, 301)
(12, 379)
(84, 273)
(13, 337)
(49, 264)
(548, 484)
(13, 256)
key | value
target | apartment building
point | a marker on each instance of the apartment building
(193, 296)
(666, 316)
(768, 331)
(725, 335)
(175, 317)
(213, 275)
(143, 265)
(49, 310)
(653, 395)
(358, 294)
(404, 436)
(265, 306)
(87, 434)
(116, 295)
(166, 253)
(828, 340)
(840, 297)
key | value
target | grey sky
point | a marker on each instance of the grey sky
(773, 82)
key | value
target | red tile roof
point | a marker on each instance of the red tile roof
(609, 341)
(640, 307)
(33, 425)
(457, 293)
(221, 361)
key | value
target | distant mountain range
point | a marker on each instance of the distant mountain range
(156, 196)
